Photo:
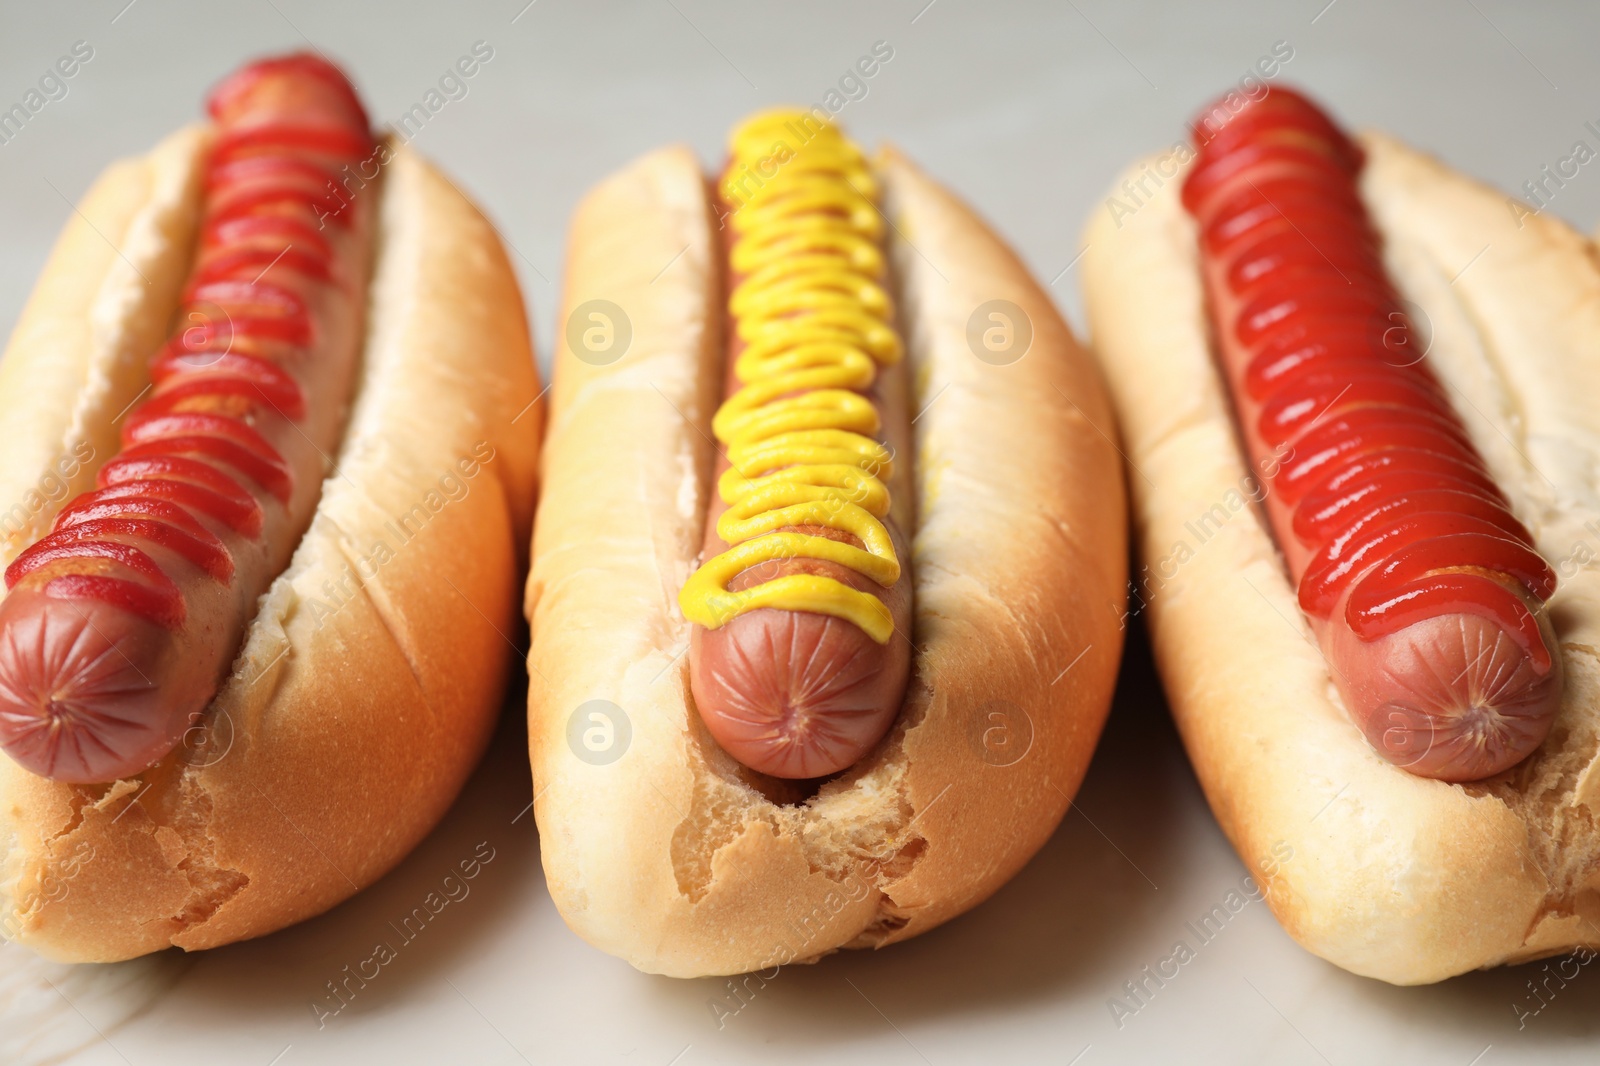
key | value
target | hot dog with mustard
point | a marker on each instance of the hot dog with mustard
(826, 580)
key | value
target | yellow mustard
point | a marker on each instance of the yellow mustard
(800, 437)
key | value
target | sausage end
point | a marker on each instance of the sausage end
(796, 695)
(77, 699)
(1456, 698)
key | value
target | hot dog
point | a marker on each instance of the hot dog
(920, 600)
(122, 621)
(799, 658)
(1426, 593)
(291, 368)
(1348, 378)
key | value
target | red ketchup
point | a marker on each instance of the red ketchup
(197, 472)
(1426, 592)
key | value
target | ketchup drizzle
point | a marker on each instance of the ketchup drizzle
(192, 451)
(1401, 517)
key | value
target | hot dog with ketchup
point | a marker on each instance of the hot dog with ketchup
(1426, 593)
(1375, 679)
(828, 569)
(293, 364)
(121, 622)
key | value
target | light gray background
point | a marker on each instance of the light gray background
(1028, 110)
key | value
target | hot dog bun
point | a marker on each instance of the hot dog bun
(353, 714)
(1382, 872)
(671, 856)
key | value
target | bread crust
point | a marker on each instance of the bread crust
(369, 682)
(1383, 873)
(672, 856)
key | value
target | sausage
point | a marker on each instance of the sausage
(1425, 592)
(122, 621)
(784, 680)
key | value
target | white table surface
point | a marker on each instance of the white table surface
(1028, 111)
